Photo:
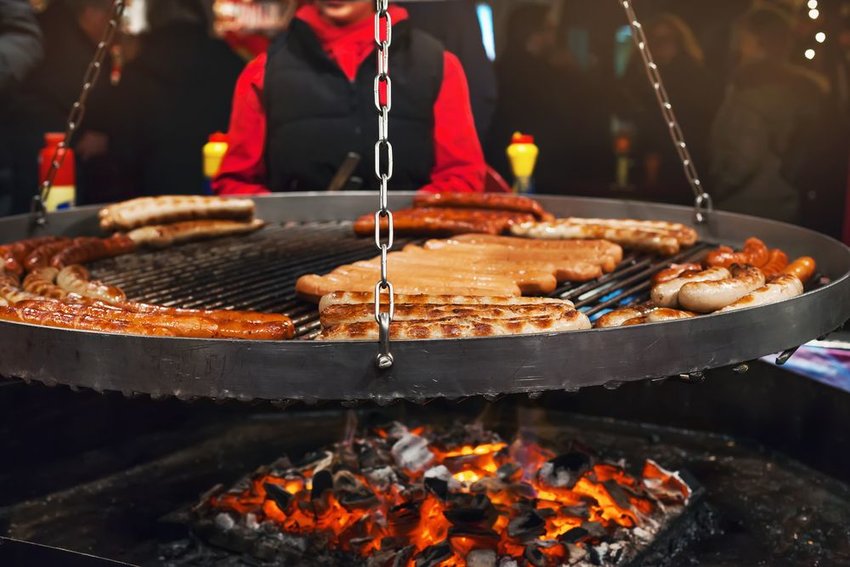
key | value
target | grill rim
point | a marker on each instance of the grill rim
(435, 368)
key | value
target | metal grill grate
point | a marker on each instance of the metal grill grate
(258, 272)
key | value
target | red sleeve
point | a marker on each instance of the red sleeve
(243, 169)
(458, 159)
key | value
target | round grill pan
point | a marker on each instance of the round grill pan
(310, 233)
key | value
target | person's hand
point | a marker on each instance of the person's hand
(92, 145)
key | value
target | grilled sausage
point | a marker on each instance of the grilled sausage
(803, 268)
(495, 201)
(686, 235)
(85, 250)
(667, 294)
(755, 253)
(619, 317)
(40, 281)
(776, 262)
(365, 312)
(457, 328)
(442, 222)
(637, 238)
(674, 271)
(782, 287)
(601, 247)
(351, 298)
(178, 324)
(371, 275)
(219, 315)
(173, 208)
(162, 236)
(76, 279)
(43, 313)
(585, 251)
(40, 256)
(705, 297)
(539, 282)
(312, 287)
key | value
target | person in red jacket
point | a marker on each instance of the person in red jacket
(302, 107)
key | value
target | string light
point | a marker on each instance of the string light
(810, 54)
(812, 4)
(820, 37)
(814, 13)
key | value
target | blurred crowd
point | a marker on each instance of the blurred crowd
(768, 132)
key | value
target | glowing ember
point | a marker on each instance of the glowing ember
(417, 497)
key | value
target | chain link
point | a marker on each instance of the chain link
(383, 173)
(702, 200)
(78, 111)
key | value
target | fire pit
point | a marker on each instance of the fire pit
(463, 497)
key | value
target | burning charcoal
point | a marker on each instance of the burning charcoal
(534, 556)
(595, 530)
(251, 522)
(402, 558)
(488, 484)
(527, 525)
(322, 482)
(508, 562)
(574, 535)
(316, 461)
(436, 486)
(510, 472)
(351, 492)
(281, 497)
(580, 511)
(434, 555)
(617, 493)
(471, 509)
(564, 470)
(523, 490)
(404, 517)
(411, 452)
(484, 538)
(481, 558)
(381, 478)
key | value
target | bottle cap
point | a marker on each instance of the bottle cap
(218, 137)
(520, 138)
(53, 138)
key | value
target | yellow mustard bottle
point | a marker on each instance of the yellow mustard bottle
(522, 153)
(214, 151)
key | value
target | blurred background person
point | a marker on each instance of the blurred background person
(544, 93)
(696, 95)
(20, 51)
(765, 131)
(173, 95)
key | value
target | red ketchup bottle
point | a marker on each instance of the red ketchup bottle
(63, 194)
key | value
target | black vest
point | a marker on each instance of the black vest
(316, 116)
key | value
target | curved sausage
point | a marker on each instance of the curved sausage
(674, 271)
(85, 250)
(76, 279)
(803, 268)
(618, 317)
(666, 294)
(40, 282)
(777, 262)
(782, 287)
(755, 253)
(705, 297)
(41, 256)
(162, 236)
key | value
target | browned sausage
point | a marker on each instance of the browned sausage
(440, 222)
(803, 268)
(85, 250)
(496, 201)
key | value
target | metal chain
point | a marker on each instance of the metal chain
(702, 200)
(78, 111)
(383, 172)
